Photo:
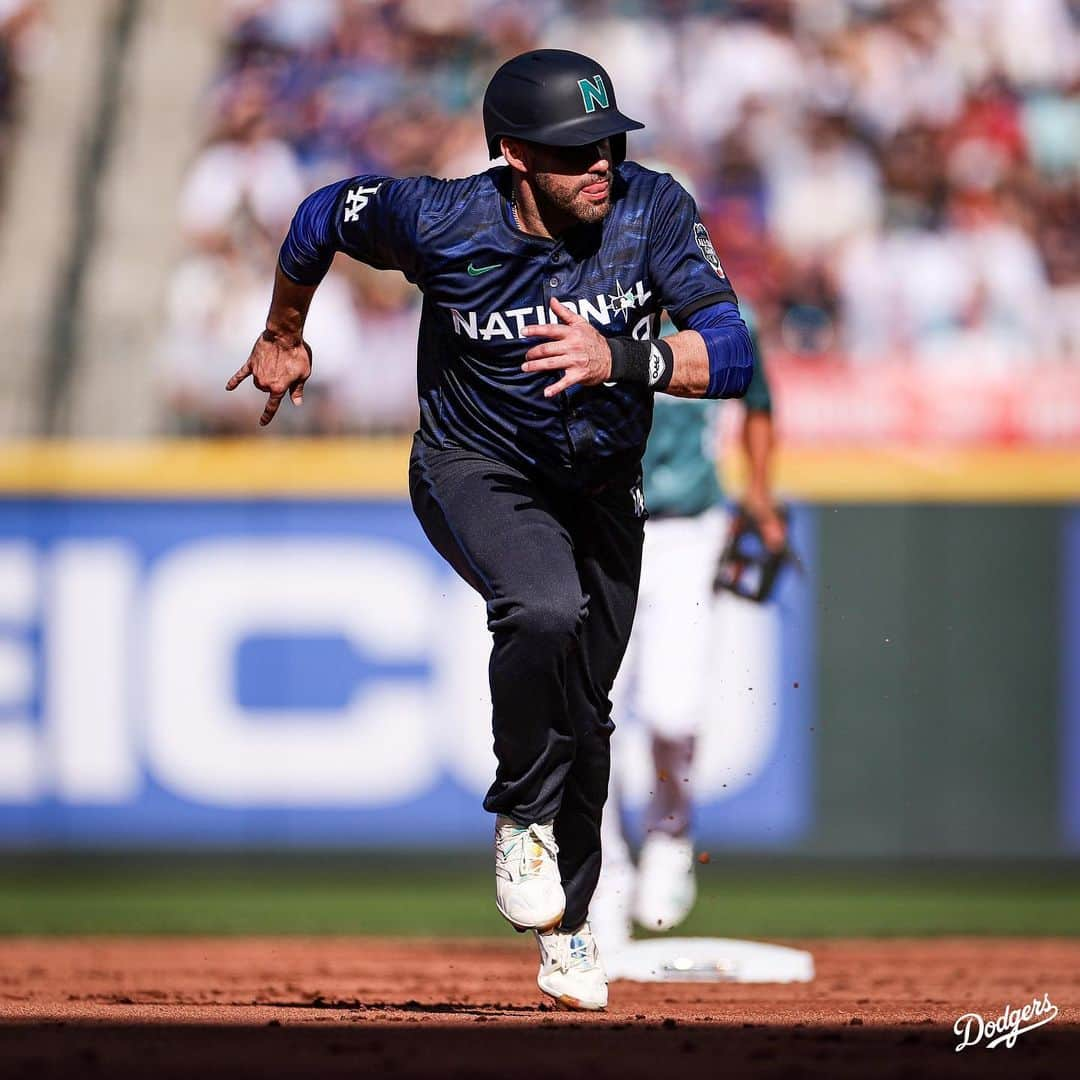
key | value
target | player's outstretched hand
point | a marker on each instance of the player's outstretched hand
(576, 348)
(277, 368)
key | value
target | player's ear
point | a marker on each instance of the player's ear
(516, 153)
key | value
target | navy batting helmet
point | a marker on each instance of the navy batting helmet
(557, 98)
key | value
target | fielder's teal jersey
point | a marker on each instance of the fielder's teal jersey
(680, 457)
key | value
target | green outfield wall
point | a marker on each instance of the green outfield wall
(941, 719)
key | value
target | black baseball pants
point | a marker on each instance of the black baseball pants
(559, 571)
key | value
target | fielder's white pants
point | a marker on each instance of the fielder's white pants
(665, 679)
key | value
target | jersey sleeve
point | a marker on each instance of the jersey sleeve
(758, 397)
(729, 345)
(682, 261)
(374, 219)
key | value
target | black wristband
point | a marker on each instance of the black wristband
(650, 362)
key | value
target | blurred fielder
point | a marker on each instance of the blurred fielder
(669, 669)
(538, 359)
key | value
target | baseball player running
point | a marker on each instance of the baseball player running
(537, 362)
(665, 678)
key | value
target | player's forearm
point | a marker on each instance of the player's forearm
(690, 377)
(759, 440)
(714, 357)
(288, 309)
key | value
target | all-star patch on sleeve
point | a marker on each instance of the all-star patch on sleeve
(374, 219)
(682, 259)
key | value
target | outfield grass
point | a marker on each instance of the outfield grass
(420, 898)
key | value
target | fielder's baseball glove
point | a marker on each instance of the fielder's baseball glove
(746, 567)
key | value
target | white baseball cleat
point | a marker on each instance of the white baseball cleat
(666, 889)
(570, 968)
(528, 887)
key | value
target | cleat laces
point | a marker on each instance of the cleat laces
(572, 951)
(534, 843)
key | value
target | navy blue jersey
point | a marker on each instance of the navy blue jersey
(484, 281)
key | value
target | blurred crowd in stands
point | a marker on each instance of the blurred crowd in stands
(20, 40)
(886, 181)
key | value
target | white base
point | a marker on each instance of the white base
(708, 960)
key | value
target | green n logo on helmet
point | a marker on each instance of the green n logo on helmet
(593, 93)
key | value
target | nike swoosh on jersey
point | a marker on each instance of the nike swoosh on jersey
(476, 271)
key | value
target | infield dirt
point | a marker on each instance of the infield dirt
(325, 1007)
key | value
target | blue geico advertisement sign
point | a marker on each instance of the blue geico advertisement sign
(283, 672)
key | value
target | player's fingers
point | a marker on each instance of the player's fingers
(547, 330)
(297, 392)
(561, 358)
(271, 409)
(239, 376)
(564, 383)
(549, 348)
(567, 315)
(553, 363)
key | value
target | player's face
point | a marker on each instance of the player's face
(575, 180)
